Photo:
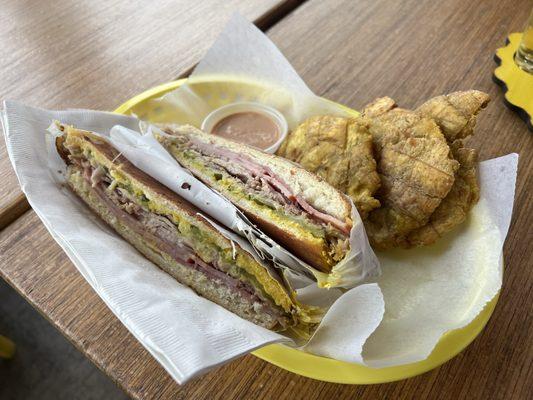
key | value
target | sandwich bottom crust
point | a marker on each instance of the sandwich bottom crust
(207, 287)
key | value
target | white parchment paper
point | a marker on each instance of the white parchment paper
(427, 291)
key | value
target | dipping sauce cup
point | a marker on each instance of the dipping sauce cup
(254, 124)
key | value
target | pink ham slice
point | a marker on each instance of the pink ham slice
(176, 248)
(264, 172)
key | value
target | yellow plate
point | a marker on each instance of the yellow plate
(299, 362)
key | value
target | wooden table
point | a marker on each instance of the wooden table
(348, 51)
(97, 54)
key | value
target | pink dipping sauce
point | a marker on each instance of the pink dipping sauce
(248, 127)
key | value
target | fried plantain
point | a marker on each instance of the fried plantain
(339, 150)
(454, 208)
(416, 171)
(428, 178)
(455, 113)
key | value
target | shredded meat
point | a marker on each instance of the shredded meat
(97, 176)
(164, 234)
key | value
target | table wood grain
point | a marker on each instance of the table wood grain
(97, 54)
(349, 52)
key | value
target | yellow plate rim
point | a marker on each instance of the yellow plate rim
(326, 369)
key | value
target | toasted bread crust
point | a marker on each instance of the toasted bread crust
(311, 253)
(119, 162)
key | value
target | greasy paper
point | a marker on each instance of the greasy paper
(427, 291)
(431, 290)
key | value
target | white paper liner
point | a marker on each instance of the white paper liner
(412, 324)
(431, 290)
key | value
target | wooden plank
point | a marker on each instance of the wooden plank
(350, 52)
(98, 54)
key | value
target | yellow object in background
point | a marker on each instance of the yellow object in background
(517, 84)
(7, 347)
(524, 54)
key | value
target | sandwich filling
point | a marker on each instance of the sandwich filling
(249, 183)
(180, 237)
